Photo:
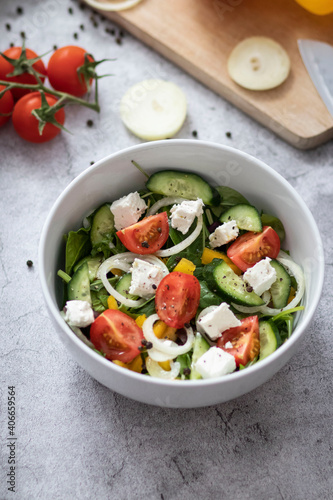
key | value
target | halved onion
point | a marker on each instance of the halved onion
(166, 346)
(155, 370)
(124, 261)
(293, 269)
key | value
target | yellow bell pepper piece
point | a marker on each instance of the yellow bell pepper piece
(112, 303)
(319, 7)
(134, 366)
(292, 294)
(117, 272)
(162, 330)
(185, 266)
(140, 320)
(165, 365)
(208, 255)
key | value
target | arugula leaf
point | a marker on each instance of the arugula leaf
(78, 245)
(99, 301)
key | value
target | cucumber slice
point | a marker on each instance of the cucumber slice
(258, 63)
(222, 280)
(247, 217)
(280, 289)
(270, 338)
(154, 109)
(78, 288)
(275, 223)
(200, 347)
(189, 186)
(93, 265)
(102, 229)
(123, 286)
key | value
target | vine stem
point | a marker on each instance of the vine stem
(61, 95)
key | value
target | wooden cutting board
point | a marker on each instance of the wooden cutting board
(198, 35)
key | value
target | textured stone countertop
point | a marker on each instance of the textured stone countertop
(75, 438)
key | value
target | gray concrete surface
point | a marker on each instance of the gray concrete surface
(75, 438)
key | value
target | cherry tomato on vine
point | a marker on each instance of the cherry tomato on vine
(7, 68)
(146, 236)
(116, 335)
(6, 105)
(63, 70)
(26, 125)
(177, 298)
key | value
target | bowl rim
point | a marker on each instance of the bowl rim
(300, 329)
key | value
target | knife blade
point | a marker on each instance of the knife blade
(318, 59)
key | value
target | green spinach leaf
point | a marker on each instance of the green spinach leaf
(78, 245)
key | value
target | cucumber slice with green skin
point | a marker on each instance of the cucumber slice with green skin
(123, 286)
(200, 347)
(247, 217)
(189, 186)
(270, 338)
(102, 228)
(78, 288)
(280, 289)
(275, 223)
(222, 280)
(93, 265)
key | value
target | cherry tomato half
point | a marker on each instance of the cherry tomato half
(26, 125)
(116, 335)
(244, 339)
(146, 236)
(7, 68)
(177, 299)
(6, 105)
(62, 70)
(249, 248)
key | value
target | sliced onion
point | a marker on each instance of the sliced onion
(183, 244)
(111, 5)
(164, 202)
(293, 269)
(159, 356)
(166, 346)
(155, 370)
(203, 313)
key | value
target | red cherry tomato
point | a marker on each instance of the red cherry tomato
(116, 335)
(146, 236)
(62, 70)
(177, 299)
(26, 125)
(249, 248)
(6, 105)
(244, 339)
(7, 68)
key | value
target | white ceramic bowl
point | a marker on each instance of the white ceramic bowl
(115, 176)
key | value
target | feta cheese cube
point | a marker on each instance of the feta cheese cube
(261, 276)
(215, 322)
(223, 234)
(145, 278)
(127, 210)
(228, 345)
(79, 313)
(183, 215)
(215, 363)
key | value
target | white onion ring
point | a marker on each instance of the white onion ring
(297, 272)
(183, 244)
(164, 202)
(155, 370)
(159, 356)
(201, 315)
(123, 261)
(166, 346)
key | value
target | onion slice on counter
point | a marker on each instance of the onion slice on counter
(293, 269)
(166, 346)
(124, 261)
(155, 370)
(111, 5)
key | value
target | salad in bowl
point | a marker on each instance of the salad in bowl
(181, 280)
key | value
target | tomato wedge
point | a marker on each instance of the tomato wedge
(116, 335)
(146, 236)
(249, 248)
(244, 339)
(177, 299)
